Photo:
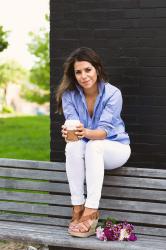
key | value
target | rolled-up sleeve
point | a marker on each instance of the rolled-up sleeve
(69, 110)
(111, 113)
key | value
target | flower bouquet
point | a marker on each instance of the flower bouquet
(110, 230)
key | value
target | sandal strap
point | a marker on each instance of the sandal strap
(77, 215)
(85, 226)
(93, 216)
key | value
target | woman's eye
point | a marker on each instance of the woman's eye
(88, 70)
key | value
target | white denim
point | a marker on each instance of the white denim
(87, 161)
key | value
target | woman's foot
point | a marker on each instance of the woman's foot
(76, 215)
(87, 223)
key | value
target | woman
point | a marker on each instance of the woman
(85, 95)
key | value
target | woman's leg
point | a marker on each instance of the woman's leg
(94, 167)
(100, 155)
(116, 154)
(75, 169)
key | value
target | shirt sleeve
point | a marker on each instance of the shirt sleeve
(68, 107)
(111, 113)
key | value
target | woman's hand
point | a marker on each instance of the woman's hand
(81, 131)
(64, 132)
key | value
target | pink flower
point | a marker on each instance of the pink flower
(100, 234)
(123, 234)
(121, 231)
(132, 237)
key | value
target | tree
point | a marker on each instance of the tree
(3, 39)
(11, 72)
(39, 73)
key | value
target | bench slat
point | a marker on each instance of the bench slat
(108, 180)
(133, 206)
(132, 193)
(36, 186)
(66, 211)
(139, 172)
(105, 203)
(108, 192)
(34, 197)
(153, 231)
(5, 162)
(47, 222)
(33, 174)
(60, 166)
(135, 182)
(35, 208)
(42, 220)
(137, 218)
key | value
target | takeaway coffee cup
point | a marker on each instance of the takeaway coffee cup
(71, 129)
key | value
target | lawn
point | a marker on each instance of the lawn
(26, 137)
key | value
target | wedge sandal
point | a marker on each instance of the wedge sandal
(75, 217)
(91, 227)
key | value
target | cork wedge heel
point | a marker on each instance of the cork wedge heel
(86, 226)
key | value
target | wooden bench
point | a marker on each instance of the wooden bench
(35, 205)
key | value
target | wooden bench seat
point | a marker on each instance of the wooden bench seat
(35, 205)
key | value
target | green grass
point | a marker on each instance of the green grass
(26, 137)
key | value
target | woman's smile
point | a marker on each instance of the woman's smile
(85, 74)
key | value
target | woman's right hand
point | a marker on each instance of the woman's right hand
(64, 132)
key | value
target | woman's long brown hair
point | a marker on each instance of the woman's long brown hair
(69, 81)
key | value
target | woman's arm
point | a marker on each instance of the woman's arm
(95, 134)
(69, 110)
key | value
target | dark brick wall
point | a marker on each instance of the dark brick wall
(130, 36)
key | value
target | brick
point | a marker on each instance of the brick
(153, 81)
(152, 100)
(160, 12)
(153, 61)
(150, 138)
(57, 156)
(153, 71)
(147, 147)
(100, 14)
(145, 51)
(63, 43)
(106, 4)
(152, 23)
(131, 119)
(152, 3)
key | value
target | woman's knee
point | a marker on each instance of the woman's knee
(94, 146)
(74, 148)
(116, 156)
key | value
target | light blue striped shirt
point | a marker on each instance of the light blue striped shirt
(106, 114)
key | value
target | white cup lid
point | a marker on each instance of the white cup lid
(71, 124)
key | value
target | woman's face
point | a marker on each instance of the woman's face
(85, 74)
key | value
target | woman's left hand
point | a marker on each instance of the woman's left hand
(81, 131)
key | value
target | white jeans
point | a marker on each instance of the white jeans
(88, 161)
